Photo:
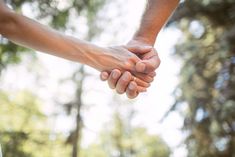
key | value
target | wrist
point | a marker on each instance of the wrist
(99, 58)
(89, 54)
(144, 39)
(107, 59)
(140, 41)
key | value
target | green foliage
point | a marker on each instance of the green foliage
(9, 54)
(24, 130)
(27, 143)
(207, 77)
(94, 150)
(124, 140)
(58, 19)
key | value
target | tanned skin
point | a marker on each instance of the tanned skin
(156, 14)
(138, 59)
(29, 33)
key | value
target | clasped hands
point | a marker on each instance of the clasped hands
(131, 68)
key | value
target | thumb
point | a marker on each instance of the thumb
(138, 49)
(149, 65)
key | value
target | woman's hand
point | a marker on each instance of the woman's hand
(149, 63)
(125, 83)
(116, 57)
(150, 60)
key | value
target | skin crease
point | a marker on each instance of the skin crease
(156, 14)
(21, 30)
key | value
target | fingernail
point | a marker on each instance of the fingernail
(115, 75)
(104, 75)
(131, 86)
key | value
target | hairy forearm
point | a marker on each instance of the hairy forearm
(156, 14)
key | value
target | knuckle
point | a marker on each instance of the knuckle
(134, 58)
(116, 71)
(147, 85)
(127, 73)
(149, 80)
(127, 65)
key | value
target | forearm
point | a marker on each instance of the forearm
(31, 34)
(156, 14)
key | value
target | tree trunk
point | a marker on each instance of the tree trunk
(78, 104)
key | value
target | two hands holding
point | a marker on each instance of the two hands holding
(136, 70)
(129, 68)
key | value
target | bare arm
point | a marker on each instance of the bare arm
(31, 34)
(156, 14)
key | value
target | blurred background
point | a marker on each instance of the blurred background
(51, 107)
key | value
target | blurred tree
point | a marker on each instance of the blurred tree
(79, 76)
(207, 77)
(76, 106)
(58, 15)
(24, 129)
(124, 140)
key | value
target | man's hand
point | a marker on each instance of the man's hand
(156, 14)
(150, 60)
(149, 63)
(118, 57)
